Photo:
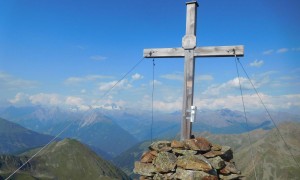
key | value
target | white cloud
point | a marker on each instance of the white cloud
(20, 98)
(204, 78)
(282, 50)
(123, 84)
(257, 63)
(270, 51)
(49, 100)
(72, 100)
(233, 102)
(76, 102)
(137, 76)
(235, 83)
(180, 77)
(174, 76)
(9, 82)
(296, 49)
(98, 58)
(168, 105)
(73, 80)
(156, 82)
(88, 78)
(46, 99)
(252, 102)
(229, 85)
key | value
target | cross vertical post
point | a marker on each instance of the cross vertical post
(190, 51)
(188, 44)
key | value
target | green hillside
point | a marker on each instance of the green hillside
(126, 160)
(67, 159)
(272, 158)
(15, 138)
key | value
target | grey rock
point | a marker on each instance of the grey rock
(194, 162)
(198, 144)
(165, 162)
(145, 169)
(230, 166)
(161, 146)
(184, 152)
(192, 175)
(217, 162)
(230, 177)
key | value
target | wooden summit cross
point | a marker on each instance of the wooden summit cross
(189, 51)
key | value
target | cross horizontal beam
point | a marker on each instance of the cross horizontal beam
(208, 51)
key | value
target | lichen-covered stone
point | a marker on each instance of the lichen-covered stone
(145, 178)
(192, 175)
(161, 146)
(230, 177)
(230, 166)
(158, 176)
(212, 154)
(210, 177)
(198, 144)
(194, 162)
(216, 147)
(154, 153)
(217, 162)
(225, 171)
(184, 152)
(177, 144)
(147, 157)
(189, 159)
(166, 176)
(144, 169)
(165, 162)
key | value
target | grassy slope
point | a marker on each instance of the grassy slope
(272, 158)
(69, 159)
(15, 138)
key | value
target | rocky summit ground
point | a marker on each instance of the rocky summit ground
(190, 159)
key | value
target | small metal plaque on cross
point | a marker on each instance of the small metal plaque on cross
(190, 51)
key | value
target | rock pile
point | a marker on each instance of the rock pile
(190, 159)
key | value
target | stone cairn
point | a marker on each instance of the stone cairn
(189, 159)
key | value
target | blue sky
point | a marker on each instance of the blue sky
(68, 53)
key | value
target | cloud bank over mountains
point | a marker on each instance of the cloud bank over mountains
(166, 98)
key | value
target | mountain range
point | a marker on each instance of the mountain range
(113, 130)
(92, 128)
(166, 125)
(114, 133)
(66, 159)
